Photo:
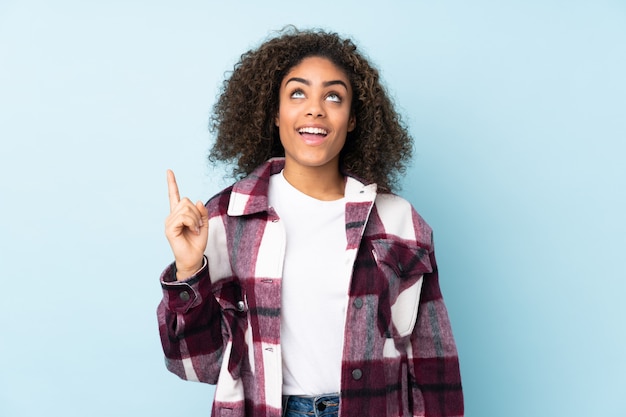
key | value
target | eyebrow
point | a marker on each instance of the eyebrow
(325, 83)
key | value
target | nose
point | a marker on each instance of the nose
(315, 109)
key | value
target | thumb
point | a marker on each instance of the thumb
(204, 213)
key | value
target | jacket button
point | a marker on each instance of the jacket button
(184, 295)
(357, 374)
(358, 303)
(240, 306)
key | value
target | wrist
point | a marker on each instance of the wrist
(183, 272)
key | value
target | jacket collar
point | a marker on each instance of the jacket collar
(249, 195)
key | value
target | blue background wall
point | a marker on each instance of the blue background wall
(518, 109)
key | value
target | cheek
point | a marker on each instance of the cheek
(279, 112)
(348, 121)
(282, 114)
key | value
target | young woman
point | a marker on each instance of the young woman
(307, 287)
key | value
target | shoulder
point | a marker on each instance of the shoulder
(399, 218)
(249, 194)
(218, 204)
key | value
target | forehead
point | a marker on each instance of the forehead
(317, 68)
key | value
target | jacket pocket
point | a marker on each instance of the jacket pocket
(404, 310)
(403, 266)
(404, 259)
(231, 297)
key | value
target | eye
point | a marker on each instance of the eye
(334, 97)
(297, 94)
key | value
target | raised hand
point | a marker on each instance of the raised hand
(186, 229)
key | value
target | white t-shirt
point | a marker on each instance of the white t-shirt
(314, 289)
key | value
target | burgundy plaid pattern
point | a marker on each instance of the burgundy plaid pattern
(222, 326)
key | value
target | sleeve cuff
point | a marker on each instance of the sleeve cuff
(180, 296)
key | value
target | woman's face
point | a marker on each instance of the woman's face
(314, 116)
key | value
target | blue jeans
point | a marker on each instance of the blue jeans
(305, 406)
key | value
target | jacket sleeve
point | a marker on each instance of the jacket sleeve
(434, 372)
(190, 326)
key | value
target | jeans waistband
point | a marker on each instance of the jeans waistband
(313, 404)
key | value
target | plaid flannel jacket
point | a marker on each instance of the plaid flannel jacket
(222, 326)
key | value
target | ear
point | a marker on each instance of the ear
(276, 120)
(351, 123)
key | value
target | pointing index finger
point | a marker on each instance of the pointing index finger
(172, 189)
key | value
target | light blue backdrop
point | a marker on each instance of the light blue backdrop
(519, 113)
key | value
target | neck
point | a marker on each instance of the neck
(322, 184)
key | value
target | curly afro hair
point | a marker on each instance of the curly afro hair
(377, 150)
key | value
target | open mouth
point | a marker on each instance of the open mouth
(313, 131)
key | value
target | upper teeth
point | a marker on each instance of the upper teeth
(313, 130)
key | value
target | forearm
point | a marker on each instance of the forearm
(190, 326)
